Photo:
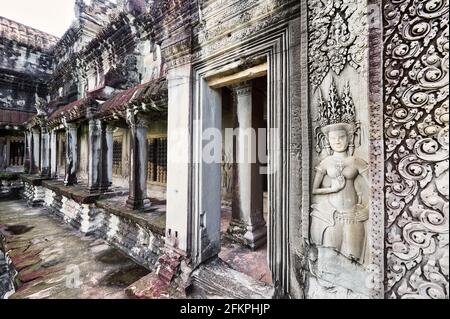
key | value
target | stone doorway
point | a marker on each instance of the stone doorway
(247, 62)
(244, 212)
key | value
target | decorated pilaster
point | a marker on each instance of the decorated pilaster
(248, 223)
(137, 198)
(71, 153)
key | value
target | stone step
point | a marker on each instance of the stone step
(216, 279)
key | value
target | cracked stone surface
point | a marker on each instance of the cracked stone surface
(54, 261)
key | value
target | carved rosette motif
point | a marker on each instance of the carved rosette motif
(337, 37)
(416, 101)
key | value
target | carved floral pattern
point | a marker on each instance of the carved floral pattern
(337, 37)
(416, 103)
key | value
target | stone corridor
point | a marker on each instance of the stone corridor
(54, 261)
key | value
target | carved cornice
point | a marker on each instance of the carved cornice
(228, 18)
(246, 31)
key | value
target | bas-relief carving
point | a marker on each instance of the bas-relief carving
(150, 61)
(337, 37)
(340, 211)
(416, 145)
(339, 224)
(268, 18)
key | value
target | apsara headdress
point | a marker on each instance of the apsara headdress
(338, 113)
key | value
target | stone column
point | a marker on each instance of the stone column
(247, 223)
(71, 153)
(8, 151)
(95, 150)
(2, 153)
(26, 162)
(98, 157)
(109, 153)
(137, 198)
(104, 169)
(35, 151)
(45, 151)
(53, 154)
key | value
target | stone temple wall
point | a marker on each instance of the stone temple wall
(338, 77)
(359, 90)
(416, 100)
(25, 63)
(378, 75)
(139, 242)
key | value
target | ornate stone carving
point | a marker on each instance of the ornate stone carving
(416, 145)
(40, 104)
(135, 118)
(338, 36)
(340, 210)
(242, 89)
(237, 36)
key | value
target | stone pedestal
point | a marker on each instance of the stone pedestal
(45, 151)
(248, 225)
(71, 153)
(137, 198)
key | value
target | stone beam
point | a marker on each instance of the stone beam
(235, 78)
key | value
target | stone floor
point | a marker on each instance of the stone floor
(251, 263)
(54, 261)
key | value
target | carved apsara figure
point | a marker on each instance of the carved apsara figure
(338, 217)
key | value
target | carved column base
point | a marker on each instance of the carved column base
(139, 204)
(45, 172)
(27, 167)
(252, 236)
(93, 189)
(71, 180)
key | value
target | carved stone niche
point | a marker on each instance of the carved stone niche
(339, 214)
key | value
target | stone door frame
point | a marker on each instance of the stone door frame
(273, 46)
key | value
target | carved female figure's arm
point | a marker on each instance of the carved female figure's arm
(318, 179)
